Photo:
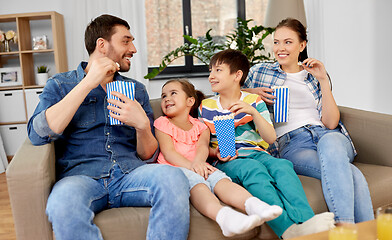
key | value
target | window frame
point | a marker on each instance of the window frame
(189, 69)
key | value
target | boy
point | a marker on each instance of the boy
(270, 179)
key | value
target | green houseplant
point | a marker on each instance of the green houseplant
(42, 75)
(247, 40)
(42, 69)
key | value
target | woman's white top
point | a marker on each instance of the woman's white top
(302, 105)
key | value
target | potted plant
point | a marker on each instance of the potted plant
(247, 40)
(42, 75)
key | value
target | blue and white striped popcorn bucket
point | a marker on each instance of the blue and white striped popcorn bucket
(124, 87)
(281, 103)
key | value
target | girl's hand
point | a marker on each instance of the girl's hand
(202, 168)
(316, 68)
(242, 107)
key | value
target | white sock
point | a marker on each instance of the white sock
(318, 223)
(266, 212)
(232, 222)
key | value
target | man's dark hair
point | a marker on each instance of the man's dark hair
(101, 27)
(235, 59)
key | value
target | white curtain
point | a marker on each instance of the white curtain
(3, 157)
(78, 13)
(315, 27)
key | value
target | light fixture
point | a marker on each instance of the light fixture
(277, 10)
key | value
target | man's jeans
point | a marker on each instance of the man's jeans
(75, 200)
(318, 152)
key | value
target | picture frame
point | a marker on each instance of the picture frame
(10, 76)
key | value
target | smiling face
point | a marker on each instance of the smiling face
(221, 79)
(287, 47)
(174, 100)
(120, 48)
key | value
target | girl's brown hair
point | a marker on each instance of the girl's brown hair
(190, 91)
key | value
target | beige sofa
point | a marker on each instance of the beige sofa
(31, 175)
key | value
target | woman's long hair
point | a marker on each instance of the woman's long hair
(300, 29)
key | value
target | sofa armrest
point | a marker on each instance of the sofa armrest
(30, 177)
(371, 133)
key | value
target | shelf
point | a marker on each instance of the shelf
(13, 123)
(9, 53)
(37, 51)
(19, 87)
(27, 26)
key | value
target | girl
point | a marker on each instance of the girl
(184, 142)
(313, 139)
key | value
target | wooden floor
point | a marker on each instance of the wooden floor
(7, 231)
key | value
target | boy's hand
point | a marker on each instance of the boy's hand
(242, 107)
(226, 159)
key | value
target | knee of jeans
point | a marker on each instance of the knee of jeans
(172, 178)
(334, 138)
(58, 208)
(335, 143)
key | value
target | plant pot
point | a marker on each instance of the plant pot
(41, 78)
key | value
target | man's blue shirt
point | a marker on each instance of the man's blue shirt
(89, 145)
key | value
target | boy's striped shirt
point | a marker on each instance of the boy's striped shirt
(246, 134)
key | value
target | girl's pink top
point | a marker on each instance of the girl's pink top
(185, 142)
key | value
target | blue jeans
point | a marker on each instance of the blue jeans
(75, 200)
(325, 154)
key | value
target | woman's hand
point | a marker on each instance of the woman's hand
(316, 68)
(264, 93)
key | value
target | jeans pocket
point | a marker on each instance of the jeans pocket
(283, 141)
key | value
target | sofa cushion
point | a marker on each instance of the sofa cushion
(126, 222)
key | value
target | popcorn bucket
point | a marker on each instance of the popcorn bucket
(281, 106)
(124, 87)
(225, 133)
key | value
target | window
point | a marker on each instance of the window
(168, 20)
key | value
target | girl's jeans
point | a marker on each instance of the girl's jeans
(75, 200)
(325, 154)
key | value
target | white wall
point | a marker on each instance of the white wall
(201, 84)
(358, 52)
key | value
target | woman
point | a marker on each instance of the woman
(313, 138)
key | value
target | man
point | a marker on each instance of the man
(101, 166)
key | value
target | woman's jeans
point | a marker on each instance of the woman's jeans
(75, 200)
(325, 154)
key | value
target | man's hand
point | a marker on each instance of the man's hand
(128, 112)
(101, 71)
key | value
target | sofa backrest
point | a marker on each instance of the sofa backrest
(156, 107)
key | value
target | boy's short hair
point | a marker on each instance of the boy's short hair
(235, 59)
(101, 27)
